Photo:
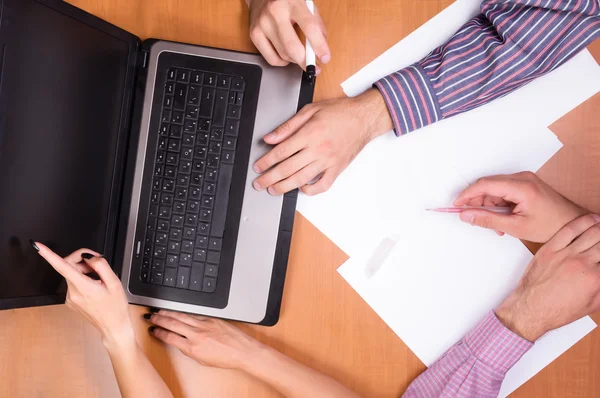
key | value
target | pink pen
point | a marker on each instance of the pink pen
(501, 210)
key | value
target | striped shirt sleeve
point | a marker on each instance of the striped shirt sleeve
(505, 47)
(475, 366)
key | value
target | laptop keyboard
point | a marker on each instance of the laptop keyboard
(192, 178)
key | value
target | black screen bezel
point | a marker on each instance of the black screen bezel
(8, 11)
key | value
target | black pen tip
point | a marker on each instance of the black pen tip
(37, 249)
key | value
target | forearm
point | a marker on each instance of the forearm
(291, 378)
(135, 374)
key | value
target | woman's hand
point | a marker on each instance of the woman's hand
(102, 302)
(210, 342)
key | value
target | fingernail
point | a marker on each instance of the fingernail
(271, 191)
(326, 58)
(257, 186)
(318, 71)
(154, 310)
(468, 218)
(596, 217)
(271, 136)
(147, 316)
(151, 329)
(256, 169)
(87, 256)
(37, 249)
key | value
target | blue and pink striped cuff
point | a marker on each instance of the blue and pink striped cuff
(410, 99)
(495, 345)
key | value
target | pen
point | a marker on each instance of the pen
(311, 58)
(501, 210)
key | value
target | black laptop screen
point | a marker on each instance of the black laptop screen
(65, 83)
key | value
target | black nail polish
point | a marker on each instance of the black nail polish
(154, 310)
(37, 249)
(151, 329)
(87, 256)
(147, 316)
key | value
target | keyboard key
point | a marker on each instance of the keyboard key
(202, 242)
(162, 226)
(187, 153)
(209, 285)
(160, 157)
(193, 206)
(213, 257)
(158, 264)
(238, 84)
(191, 220)
(189, 233)
(164, 129)
(166, 199)
(172, 158)
(211, 270)
(155, 198)
(187, 246)
(199, 165)
(156, 277)
(215, 243)
(234, 111)
(207, 102)
(177, 117)
(168, 102)
(171, 73)
(205, 215)
(153, 211)
(212, 161)
(174, 145)
(170, 171)
(166, 116)
(148, 250)
(145, 276)
(208, 201)
(224, 82)
(202, 139)
(229, 143)
(232, 127)
(222, 200)
(196, 77)
(181, 193)
(175, 131)
(210, 79)
(228, 157)
(175, 233)
(151, 223)
(196, 276)
(170, 276)
(194, 95)
(160, 251)
(214, 147)
(185, 260)
(161, 238)
(220, 111)
(177, 221)
(179, 207)
(200, 255)
(191, 112)
(209, 188)
(183, 75)
(162, 143)
(195, 192)
(232, 97)
(168, 185)
(189, 139)
(170, 88)
(197, 178)
(216, 134)
(203, 228)
(183, 278)
(190, 125)
(172, 260)
(146, 263)
(185, 167)
(204, 124)
(164, 212)
(200, 152)
(183, 181)
(239, 99)
(174, 247)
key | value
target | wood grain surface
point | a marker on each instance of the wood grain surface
(52, 352)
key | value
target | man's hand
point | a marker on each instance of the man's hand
(321, 140)
(560, 285)
(539, 211)
(272, 31)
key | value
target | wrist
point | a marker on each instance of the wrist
(256, 359)
(373, 111)
(519, 319)
(119, 340)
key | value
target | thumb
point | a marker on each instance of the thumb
(489, 220)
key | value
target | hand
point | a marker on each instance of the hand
(210, 342)
(560, 285)
(539, 211)
(323, 138)
(102, 302)
(272, 31)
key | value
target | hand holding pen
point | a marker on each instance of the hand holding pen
(529, 208)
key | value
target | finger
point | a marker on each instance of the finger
(170, 338)
(313, 28)
(76, 257)
(60, 265)
(586, 240)
(184, 318)
(100, 266)
(283, 170)
(278, 154)
(499, 186)
(264, 46)
(324, 183)
(288, 44)
(490, 220)
(492, 201)
(572, 230)
(478, 201)
(302, 177)
(291, 126)
(172, 324)
(593, 253)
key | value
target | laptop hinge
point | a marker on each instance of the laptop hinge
(142, 59)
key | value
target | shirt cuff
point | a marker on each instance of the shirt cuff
(495, 345)
(410, 99)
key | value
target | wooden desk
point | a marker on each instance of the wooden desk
(52, 352)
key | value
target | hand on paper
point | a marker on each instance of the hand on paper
(321, 140)
(560, 285)
(272, 31)
(539, 211)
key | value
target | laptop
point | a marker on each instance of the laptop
(143, 152)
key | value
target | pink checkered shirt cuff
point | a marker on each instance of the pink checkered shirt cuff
(494, 344)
